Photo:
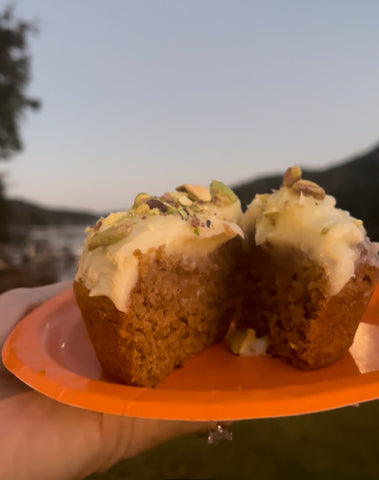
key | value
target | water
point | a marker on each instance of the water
(59, 237)
(54, 246)
(66, 244)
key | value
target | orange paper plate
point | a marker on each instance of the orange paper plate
(50, 351)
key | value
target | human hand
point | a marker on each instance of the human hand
(43, 439)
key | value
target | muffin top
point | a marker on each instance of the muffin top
(193, 220)
(300, 215)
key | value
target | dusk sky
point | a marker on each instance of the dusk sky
(146, 95)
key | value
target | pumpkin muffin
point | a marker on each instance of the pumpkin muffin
(154, 282)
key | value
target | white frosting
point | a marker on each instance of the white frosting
(112, 270)
(326, 234)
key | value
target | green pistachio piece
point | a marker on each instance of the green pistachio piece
(152, 212)
(197, 193)
(109, 236)
(310, 189)
(142, 208)
(140, 199)
(222, 194)
(184, 201)
(171, 210)
(172, 196)
(167, 197)
(245, 342)
(159, 206)
(291, 175)
(183, 212)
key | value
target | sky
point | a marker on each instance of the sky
(146, 95)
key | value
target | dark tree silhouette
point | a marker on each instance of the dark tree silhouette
(14, 79)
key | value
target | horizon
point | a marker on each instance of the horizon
(146, 96)
(76, 210)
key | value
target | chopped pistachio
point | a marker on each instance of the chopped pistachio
(152, 212)
(308, 188)
(245, 342)
(168, 197)
(171, 210)
(196, 231)
(196, 208)
(291, 175)
(183, 212)
(142, 208)
(173, 196)
(109, 236)
(196, 192)
(98, 224)
(324, 231)
(185, 201)
(155, 203)
(221, 193)
(140, 198)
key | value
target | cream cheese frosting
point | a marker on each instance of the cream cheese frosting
(191, 222)
(302, 216)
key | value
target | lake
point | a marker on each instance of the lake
(52, 248)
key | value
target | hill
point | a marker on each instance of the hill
(20, 212)
(355, 185)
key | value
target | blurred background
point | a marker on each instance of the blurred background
(101, 100)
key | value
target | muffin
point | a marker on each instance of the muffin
(310, 271)
(153, 282)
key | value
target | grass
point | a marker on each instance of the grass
(339, 444)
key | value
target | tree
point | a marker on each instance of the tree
(14, 79)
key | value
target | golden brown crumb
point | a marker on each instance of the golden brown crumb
(178, 308)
